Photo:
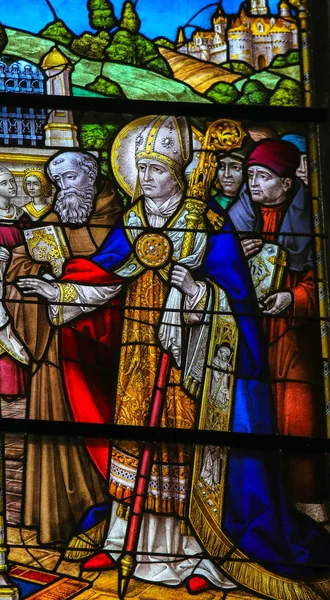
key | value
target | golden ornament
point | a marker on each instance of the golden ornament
(153, 249)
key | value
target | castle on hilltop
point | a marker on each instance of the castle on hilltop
(255, 37)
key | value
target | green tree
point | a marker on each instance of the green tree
(254, 92)
(222, 93)
(129, 18)
(58, 32)
(146, 49)
(137, 50)
(3, 38)
(101, 15)
(91, 45)
(279, 61)
(286, 60)
(159, 65)
(107, 87)
(163, 41)
(287, 93)
(239, 67)
(148, 56)
(99, 137)
(123, 48)
(293, 58)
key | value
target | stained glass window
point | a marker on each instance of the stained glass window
(173, 279)
(222, 52)
(164, 338)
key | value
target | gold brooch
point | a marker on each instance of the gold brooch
(153, 249)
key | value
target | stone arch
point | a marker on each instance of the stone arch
(9, 85)
(262, 62)
(20, 76)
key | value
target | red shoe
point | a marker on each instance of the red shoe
(99, 562)
(197, 584)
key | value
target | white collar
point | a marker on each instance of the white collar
(166, 209)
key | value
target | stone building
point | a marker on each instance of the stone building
(30, 126)
(255, 37)
(60, 129)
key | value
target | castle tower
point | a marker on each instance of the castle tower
(240, 44)
(181, 38)
(220, 22)
(259, 7)
(281, 38)
(295, 35)
(60, 129)
(284, 10)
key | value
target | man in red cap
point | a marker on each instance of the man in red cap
(274, 207)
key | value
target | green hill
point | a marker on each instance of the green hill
(270, 77)
(80, 91)
(293, 72)
(137, 83)
(270, 80)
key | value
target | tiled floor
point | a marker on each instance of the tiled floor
(23, 549)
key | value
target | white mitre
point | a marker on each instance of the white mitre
(163, 138)
(167, 140)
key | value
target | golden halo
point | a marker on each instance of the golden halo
(123, 152)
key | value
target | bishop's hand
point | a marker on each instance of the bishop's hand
(251, 246)
(182, 279)
(32, 286)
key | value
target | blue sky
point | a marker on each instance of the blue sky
(159, 17)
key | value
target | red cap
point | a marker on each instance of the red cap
(281, 157)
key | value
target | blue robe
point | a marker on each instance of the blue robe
(258, 517)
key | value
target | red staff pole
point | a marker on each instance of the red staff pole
(128, 559)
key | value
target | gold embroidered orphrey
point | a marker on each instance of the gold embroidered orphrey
(48, 244)
(153, 249)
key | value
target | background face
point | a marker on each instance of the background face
(156, 180)
(265, 187)
(33, 186)
(7, 185)
(230, 175)
(302, 172)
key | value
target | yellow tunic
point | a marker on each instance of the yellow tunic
(139, 359)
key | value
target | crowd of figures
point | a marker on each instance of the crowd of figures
(109, 291)
(14, 218)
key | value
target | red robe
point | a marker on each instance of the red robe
(90, 355)
(295, 368)
(13, 374)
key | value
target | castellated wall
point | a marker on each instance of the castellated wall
(218, 55)
(262, 52)
(240, 46)
(282, 43)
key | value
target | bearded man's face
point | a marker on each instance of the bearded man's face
(75, 200)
